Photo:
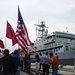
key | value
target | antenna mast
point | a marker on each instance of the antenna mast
(66, 29)
(41, 29)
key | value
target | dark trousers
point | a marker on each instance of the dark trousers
(25, 64)
(21, 65)
(0, 68)
(45, 69)
(40, 66)
(6, 74)
(28, 66)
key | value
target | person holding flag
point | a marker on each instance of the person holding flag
(21, 36)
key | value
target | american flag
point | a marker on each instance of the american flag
(22, 33)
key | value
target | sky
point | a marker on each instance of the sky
(57, 15)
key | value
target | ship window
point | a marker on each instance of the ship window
(50, 45)
(42, 52)
(58, 48)
(66, 48)
(54, 50)
(70, 39)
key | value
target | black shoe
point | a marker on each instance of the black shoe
(39, 70)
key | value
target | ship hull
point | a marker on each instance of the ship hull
(65, 57)
(67, 62)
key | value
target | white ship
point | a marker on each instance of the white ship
(62, 43)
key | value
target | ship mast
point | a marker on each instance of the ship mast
(41, 30)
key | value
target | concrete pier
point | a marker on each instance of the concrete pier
(66, 70)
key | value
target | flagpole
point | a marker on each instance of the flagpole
(5, 36)
(18, 46)
(17, 24)
(5, 42)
